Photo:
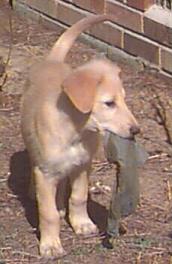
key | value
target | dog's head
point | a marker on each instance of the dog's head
(96, 88)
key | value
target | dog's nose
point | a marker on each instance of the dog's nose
(134, 130)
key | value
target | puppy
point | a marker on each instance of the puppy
(64, 111)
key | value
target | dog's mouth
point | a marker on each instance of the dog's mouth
(127, 137)
(133, 131)
(124, 139)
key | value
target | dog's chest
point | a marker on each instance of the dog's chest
(70, 157)
(62, 158)
(79, 152)
(76, 155)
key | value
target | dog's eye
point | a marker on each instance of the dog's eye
(110, 104)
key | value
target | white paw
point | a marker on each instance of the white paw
(84, 226)
(51, 248)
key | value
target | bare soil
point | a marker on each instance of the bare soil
(149, 230)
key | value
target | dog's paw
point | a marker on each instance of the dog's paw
(84, 226)
(51, 249)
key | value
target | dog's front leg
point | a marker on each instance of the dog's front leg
(78, 215)
(49, 219)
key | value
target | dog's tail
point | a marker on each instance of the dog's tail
(64, 43)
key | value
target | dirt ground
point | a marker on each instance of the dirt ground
(149, 230)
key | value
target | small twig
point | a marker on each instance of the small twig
(160, 250)
(138, 259)
(6, 109)
(162, 208)
(157, 156)
(155, 253)
(5, 248)
(138, 235)
(23, 253)
(100, 163)
(9, 53)
(13, 260)
(163, 108)
(169, 190)
(100, 189)
(12, 195)
(3, 180)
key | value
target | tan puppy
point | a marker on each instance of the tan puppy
(63, 113)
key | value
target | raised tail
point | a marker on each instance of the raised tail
(66, 40)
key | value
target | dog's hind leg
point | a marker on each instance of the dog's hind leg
(49, 219)
(78, 214)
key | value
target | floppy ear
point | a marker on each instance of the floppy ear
(80, 87)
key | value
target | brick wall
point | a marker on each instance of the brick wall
(139, 27)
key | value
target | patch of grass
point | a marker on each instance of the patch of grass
(143, 242)
(85, 249)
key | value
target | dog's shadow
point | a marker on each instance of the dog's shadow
(19, 180)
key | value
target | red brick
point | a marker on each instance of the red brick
(166, 59)
(108, 33)
(69, 14)
(36, 4)
(95, 6)
(158, 32)
(47, 7)
(124, 16)
(50, 23)
(140, 4)
(139, 46)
